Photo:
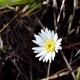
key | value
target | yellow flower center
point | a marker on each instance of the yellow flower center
(49, 45)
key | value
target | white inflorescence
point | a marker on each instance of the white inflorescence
(48, 44)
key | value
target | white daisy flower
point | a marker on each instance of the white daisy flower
(48, 45)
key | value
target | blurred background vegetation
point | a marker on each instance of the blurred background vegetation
(20, 20)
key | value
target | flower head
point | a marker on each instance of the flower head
(48, 44)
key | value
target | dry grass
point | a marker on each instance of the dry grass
(17, 60)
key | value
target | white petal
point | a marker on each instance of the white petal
(46, 57)
(42, 31)
(37, 51)
(53, 55)
(38, 38)
(47, 60)
(43, 36)
(56, 50)
(38, 43)
(40, 54)
(42, 57)
(53, 34)
(59, 47)
(48, 32)
(50, 59)
(55, 37)
(38, 48)
(58, 42)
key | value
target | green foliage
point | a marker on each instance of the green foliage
(4, 3)
(78, 75)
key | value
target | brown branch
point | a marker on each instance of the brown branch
(60, 74)
(68, 65)
(71, 45)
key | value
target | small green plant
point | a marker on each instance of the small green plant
(78, 74)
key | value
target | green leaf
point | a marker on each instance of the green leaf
(78, 75)
(4, 3)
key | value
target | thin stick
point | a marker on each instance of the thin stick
(11, 20)
(54, 14)
(70, 23)
(62, 6)
(48, 71)
(68, 65)
(47, 1)
(62, 73)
